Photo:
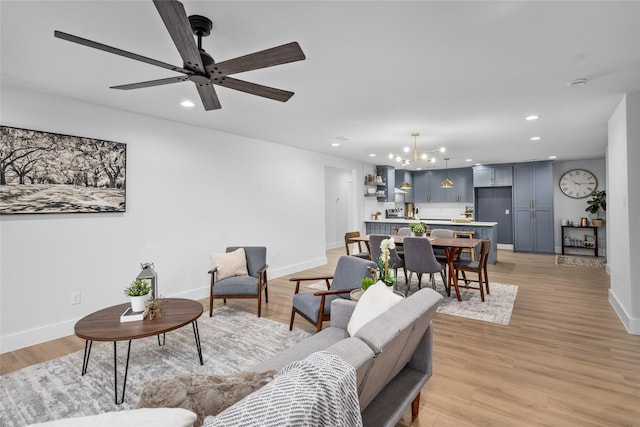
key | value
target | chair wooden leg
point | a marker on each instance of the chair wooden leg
(293, 314)
(481, 286)
(259, 303)
(415, 407)
(486, 279)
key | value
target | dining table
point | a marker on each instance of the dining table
(451, 247)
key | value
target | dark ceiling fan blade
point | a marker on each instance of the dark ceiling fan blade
(256, 89)
(283, 54)
(208, 96)
(151, 83)
(114, 50)
(175, 19)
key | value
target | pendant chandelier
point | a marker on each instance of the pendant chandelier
(406, 158)
(447, 183)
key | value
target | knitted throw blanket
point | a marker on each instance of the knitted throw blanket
(319, 390)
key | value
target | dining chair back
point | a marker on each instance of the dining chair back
(404, 231)
(420, 259)
(445, 233)
(478, 267)
(356, 244)
(466, 234)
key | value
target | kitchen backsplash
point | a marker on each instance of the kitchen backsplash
(429, 210)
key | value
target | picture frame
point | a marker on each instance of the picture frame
(45, 172)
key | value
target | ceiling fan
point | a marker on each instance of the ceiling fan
(199, 67)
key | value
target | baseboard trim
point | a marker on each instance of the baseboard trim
(632, 325)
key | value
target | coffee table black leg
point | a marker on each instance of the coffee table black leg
(115, 372)
(164, 336)
(196, 334)
(85, 358)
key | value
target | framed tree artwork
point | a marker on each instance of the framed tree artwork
(42, 172)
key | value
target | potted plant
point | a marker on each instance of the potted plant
(378, 215)
(418, 228)
(138, 293)
(597, 203)
(366, 282)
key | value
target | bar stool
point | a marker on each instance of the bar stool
(466, 235)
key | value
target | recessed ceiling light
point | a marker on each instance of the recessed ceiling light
(532, 117)
(469, 160)
(335, 144)
(535, 138)
(372, 155)
(188, 104)
(577, 82)
(553, 157)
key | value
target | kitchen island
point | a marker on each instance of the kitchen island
(482, 230)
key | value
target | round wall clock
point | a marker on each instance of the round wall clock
(578, 183)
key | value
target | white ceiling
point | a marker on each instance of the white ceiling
(463, 74)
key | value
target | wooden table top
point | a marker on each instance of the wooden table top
(105, 325)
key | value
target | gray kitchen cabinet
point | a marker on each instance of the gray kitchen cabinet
(533, 207)
(421, 186)
(493, 176)
(426, 186)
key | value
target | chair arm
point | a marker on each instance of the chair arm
(263, 269)
(305, 279)
(334, 292)
(213, 270)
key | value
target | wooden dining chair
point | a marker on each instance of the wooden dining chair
(466, 235)
(478, 267)
(357, 243)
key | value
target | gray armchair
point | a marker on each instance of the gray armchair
(316, 307)
(250, 286)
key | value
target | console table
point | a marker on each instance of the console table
(574, 237)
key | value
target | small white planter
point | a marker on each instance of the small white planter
(138, 303)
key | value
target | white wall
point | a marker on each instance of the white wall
(185, 199)
(623, 205)
(339, 202)
(566, 208)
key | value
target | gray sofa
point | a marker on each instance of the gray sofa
(391, 354)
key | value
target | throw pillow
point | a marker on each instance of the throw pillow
(146, 417)
(230, 264)
(203, 394)
(377, 299)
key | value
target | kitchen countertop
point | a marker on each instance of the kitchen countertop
(432, 221)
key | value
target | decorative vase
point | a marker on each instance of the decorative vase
(138, 303)
(418, 234)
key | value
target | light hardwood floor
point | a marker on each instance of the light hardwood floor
(565, 359)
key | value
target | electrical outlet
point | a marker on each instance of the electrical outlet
(75, 298)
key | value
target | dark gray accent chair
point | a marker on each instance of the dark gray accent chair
(316, 307)
(419, 259)
(395, 261)
(250, 286)
(447, 234)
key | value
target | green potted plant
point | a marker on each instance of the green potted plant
(366, 282)
(418, 228)
(597, 203)
(138, 293)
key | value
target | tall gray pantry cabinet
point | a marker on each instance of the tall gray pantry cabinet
(533, 207)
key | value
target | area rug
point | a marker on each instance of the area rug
(232, 341)
(582, 261)
(496, 308)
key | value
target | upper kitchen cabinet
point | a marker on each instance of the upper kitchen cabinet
(493, 176)
(533, 207)
(421, 186)
(426, 186)
(388, 183)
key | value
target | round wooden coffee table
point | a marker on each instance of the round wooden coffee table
(105, 325)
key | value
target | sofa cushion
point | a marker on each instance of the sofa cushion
(146, 417)
(377, 299)
(230, 264)
(304, 348)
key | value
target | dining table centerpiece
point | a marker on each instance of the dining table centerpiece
(384, 269)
